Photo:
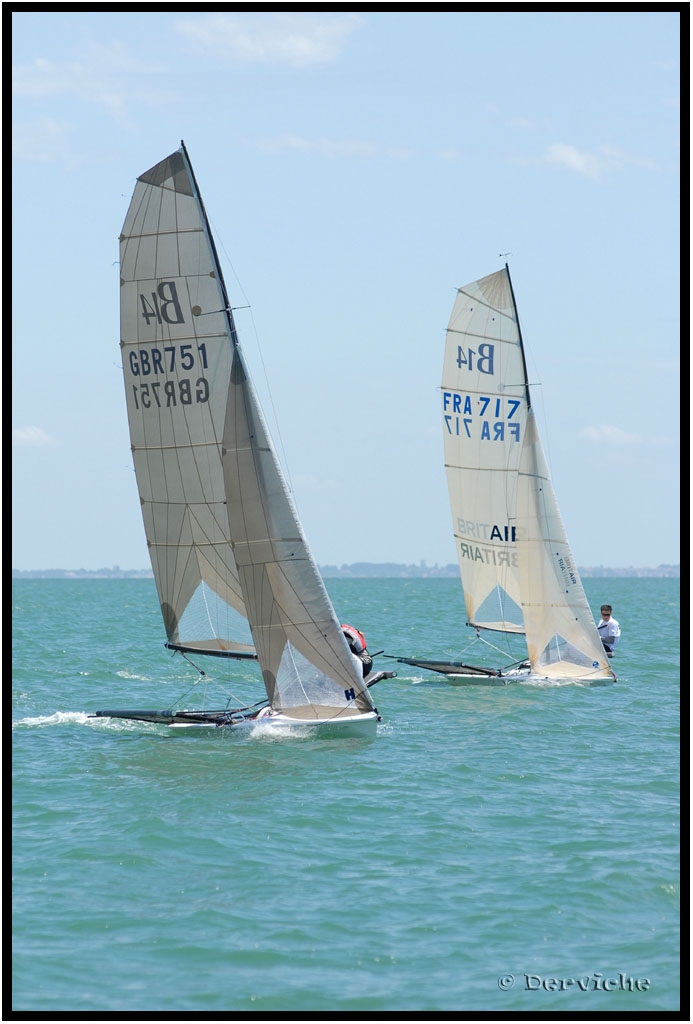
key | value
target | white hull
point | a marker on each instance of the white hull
(359, 726)
(526, 678)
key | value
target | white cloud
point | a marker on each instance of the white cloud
(32, 437)
(107, 75)
(614, 157)
(40, 140)
(593, 165)
(332, 147)
(608, 435)
(570, 157)
(297, 39)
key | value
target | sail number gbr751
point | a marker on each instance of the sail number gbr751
(182, 365)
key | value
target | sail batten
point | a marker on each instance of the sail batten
(474, 334)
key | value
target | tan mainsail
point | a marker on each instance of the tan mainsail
(227, 550)
(177, 369)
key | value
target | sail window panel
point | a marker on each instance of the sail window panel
(484, 608)
(300, 682)
(207, 616)
(499, 609)
(561, 650)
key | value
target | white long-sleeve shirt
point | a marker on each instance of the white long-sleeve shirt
(609, 631)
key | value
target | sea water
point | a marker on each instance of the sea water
(494, 848)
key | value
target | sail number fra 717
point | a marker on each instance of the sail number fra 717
(489, 421)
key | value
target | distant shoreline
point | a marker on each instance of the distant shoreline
(357, 570)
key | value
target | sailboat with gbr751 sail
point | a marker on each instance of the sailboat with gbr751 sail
(517, 570)
(234, 574)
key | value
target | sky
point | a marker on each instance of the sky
(357, 168)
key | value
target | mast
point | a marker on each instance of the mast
(522, 344)
(212, 244)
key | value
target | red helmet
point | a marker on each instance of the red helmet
(355, 638)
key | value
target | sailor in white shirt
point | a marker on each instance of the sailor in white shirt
(609, 630)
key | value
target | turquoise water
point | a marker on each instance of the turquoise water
(488, 832)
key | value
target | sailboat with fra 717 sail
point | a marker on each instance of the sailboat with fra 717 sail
(234, 574)
(517, 570)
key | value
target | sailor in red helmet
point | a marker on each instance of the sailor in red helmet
(357, 645)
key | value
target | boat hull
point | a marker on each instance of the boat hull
(458, 674)
(360, 726)
(278, 723)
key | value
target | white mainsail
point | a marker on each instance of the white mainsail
(225, 542)
(485, 401)
(518, 573)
